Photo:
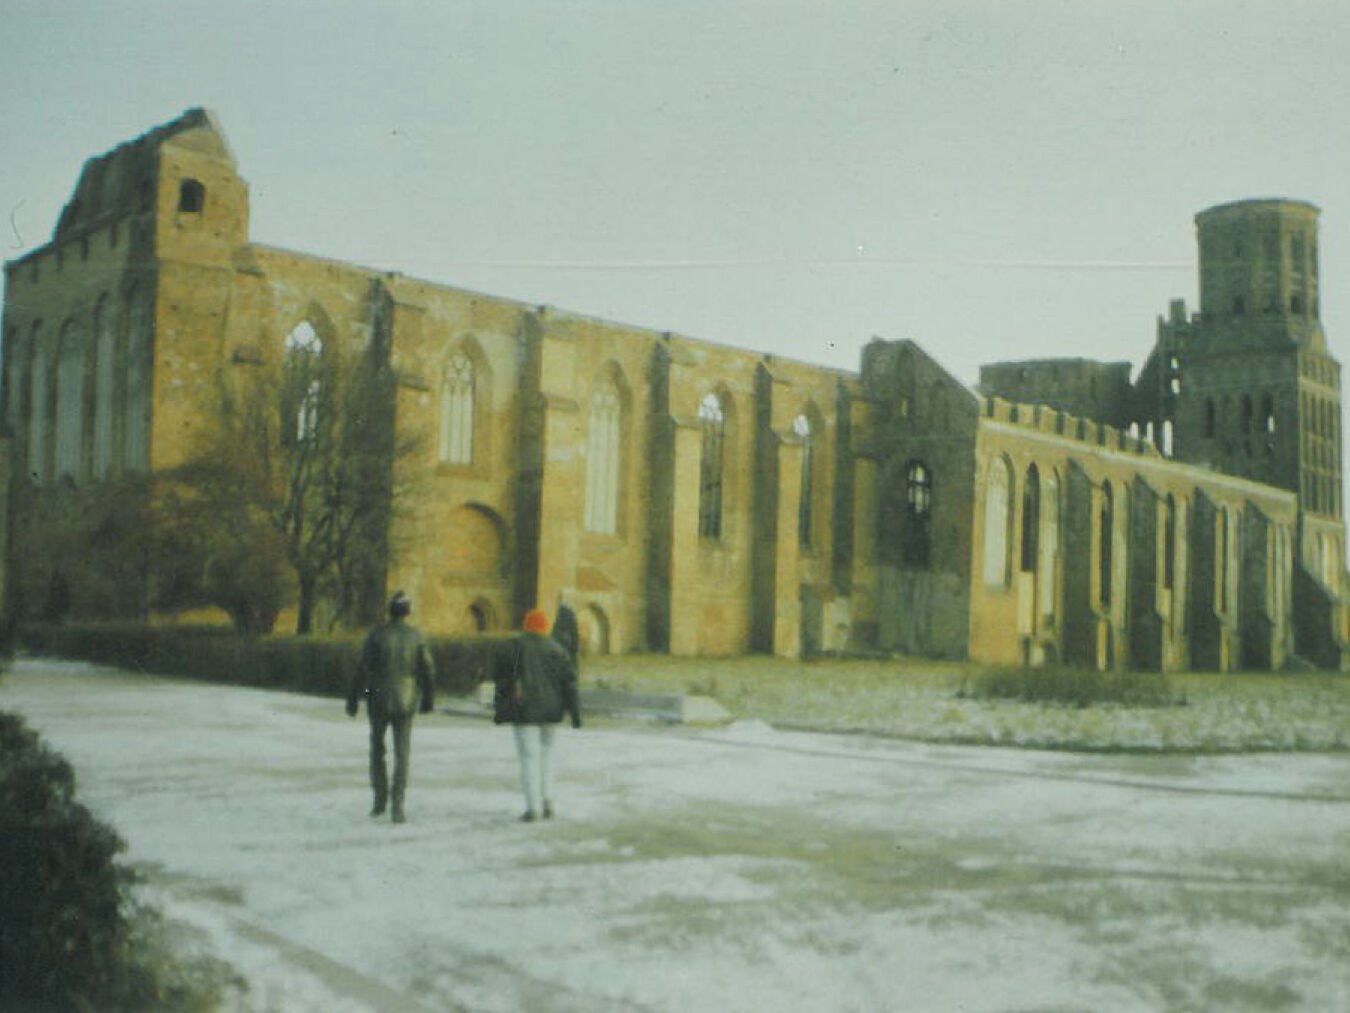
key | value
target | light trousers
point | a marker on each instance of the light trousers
(534, 748)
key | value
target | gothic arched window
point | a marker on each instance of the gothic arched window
(1049, 547)
(39, 404)
(1221, 550)
(105, 350)
(135, 393)
(801, 427)
(303, 388)
(13, 361)
(712, 419)
(457, 382)
(1170, 542)
(1031, 519)
(1106, 544)
(997, 510)
(916, 546)
(602, 460)
(69, 402)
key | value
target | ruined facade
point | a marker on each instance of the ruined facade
(689, 497)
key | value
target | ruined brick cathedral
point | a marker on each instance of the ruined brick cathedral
(698, 499)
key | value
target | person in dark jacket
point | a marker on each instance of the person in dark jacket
(396, 676)
(565, 630)
(536, 684)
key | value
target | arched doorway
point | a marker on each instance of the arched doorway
(593, 627)
(482, 616)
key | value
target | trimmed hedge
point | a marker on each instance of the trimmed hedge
(317, 665)
(1074, 686)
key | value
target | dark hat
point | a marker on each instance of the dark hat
(400, 604)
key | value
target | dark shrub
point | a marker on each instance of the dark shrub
(1075, 686)
(66, 940)
(61, 930)
(318, 665)
(463, 662)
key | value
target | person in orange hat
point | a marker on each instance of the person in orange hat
(536, 685)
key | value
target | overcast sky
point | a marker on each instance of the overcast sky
(992, 180)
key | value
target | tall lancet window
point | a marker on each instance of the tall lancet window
(69, 402)
(917, 535)
(1031, 520)
(996, 514)
(457, 411)
(38, 407)
(712, 418)
(1221, 550)
(105, 346)
(602, 461)
(135, 389)
(1106, 545)
(1170, 542)
(1049, 542)
(801, 427)
(14, 363)
(302, 393)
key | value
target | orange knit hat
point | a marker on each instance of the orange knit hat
(536, 621)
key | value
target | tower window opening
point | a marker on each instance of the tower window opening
(191, 196)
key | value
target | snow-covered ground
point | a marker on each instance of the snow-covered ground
(732, 869)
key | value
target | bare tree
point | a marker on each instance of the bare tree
(301, 469)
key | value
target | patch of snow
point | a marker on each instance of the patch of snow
(725, 869)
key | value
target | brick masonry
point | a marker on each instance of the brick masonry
(1062, 512)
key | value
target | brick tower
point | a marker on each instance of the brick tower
(1249, 380)
(1248, 387)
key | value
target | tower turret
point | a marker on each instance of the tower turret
(1258, 269)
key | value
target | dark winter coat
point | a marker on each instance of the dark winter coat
(395, 674)
(536, 683)
(565, 631)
